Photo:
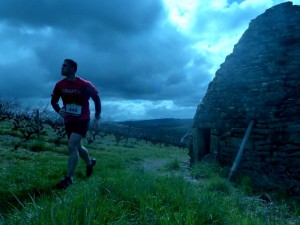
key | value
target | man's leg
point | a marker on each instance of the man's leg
(73, 145)
(90, 163)
(83, 153)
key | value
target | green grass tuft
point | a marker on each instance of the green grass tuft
(173, 165)
(144, 184)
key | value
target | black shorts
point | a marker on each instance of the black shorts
(78, 127)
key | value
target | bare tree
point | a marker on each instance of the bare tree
(57, 125)
(8, 108)
(29, 124)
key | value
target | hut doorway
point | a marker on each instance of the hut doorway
(201, 143)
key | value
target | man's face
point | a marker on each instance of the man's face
(66, 69)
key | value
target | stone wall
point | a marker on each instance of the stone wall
(259, 81)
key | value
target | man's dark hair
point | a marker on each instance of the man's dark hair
(72, 63)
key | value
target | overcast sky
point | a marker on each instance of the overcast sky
(148, 58)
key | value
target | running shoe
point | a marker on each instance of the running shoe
(89, 168)
(64, 183)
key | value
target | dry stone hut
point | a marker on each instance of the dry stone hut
(259, 81)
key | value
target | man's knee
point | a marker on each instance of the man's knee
(74, 141)
(73, 145)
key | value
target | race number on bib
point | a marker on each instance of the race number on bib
(73, 109)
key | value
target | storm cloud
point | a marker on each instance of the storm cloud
(142, 63)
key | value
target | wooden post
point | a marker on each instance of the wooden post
(241, 150)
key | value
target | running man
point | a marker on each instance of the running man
(75, 93)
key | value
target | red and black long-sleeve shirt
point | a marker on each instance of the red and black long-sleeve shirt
(75, 96)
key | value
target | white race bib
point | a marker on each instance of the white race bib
(73, 109)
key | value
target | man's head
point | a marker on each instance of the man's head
(69, 67)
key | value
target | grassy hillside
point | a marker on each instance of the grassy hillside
(139, 184)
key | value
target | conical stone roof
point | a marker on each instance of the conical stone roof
(260, 80)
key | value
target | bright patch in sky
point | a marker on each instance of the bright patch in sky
(232, 1)
(181, 12)
(218, 4)
(140, 108)
(44, 31)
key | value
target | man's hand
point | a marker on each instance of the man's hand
(96, 124)
(62, 112)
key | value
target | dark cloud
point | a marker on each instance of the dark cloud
(90, 15)
(124, 49)
(141, 64)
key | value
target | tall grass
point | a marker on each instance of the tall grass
(121, 190)
(133, 198)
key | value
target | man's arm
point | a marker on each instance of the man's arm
(97, 102)
(96, 98)
(54, 100)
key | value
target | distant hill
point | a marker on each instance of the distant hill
(165, 130)
(164, 123)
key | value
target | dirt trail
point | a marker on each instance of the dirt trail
(164, 166)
